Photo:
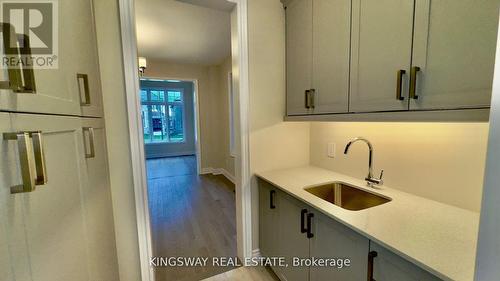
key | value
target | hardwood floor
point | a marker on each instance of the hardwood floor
(191, 216)
(246, 274)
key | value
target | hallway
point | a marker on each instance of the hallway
(191, 216)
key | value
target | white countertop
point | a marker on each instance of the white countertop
(437, 237)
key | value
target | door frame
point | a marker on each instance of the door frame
(243, 178)
(196, 107)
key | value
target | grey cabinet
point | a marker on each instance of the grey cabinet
(291, 229)
(317, 65)
(334, 240)
(293, 241)
(454, 50)
(389, 267)
(268, 218)
(381, 46)
(390, 56)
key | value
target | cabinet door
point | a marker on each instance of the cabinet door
(86, 55)
(298, 55)
(389, 267)
(14, 262)
(58, 90)
(381, 46)
(54, 213)
(98, 206)
(454, 46)
(292, 243)
(268, 218)
(334, 240)
(331, 43)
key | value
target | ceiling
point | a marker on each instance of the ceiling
(198, 32)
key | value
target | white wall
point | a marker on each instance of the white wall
(440, 161)
(274, 144)
(115, 113)
(212, 99)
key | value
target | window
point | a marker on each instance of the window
(162, 115)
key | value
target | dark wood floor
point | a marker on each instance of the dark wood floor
(191, 216)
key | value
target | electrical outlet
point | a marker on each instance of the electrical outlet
(331, 149)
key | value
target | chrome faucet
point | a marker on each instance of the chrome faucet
(370, 179)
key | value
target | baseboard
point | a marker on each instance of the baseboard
(256, 253)
(218, 171)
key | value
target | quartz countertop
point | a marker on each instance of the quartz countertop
(437, 237)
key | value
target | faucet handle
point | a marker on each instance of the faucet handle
(381, 174)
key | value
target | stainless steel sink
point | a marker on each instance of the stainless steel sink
(347, 196)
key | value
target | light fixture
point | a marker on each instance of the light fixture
(143, 64)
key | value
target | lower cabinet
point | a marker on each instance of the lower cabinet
(387, 266)
(58, 224)
(292, 229)
(334, 240)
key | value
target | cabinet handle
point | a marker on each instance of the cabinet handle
(303, 228)
(19, 82)
(41, 168)
(310, 216)
(312, 94)
(90, 132)
(399, 85)
(308, 99)
(85, 79)
(371, 256)
(28, 84)
(413, 82)
(25, 159)
(271, 199)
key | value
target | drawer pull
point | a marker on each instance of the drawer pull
(91, 146)
(399, 85)
(303, 228)
(310, 216)
(413, 82)
(25, 159)
(371, 256)
(84, 78)
(271, 199)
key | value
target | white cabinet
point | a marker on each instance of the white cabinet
(58, 91)
(381, 46)
(334, 240)
(318, 65)
(389, 267)
(54, 214)
(63, 230)
(98, 206)
(14, 262)
(454, 47)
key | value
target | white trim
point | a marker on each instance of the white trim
(129, 46)
(130, 63)
(218, 171)
(244, 93)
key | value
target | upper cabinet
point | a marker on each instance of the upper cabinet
(318, 65)
(454, 50)
(362, 56)
(73, 87)
(381, 46)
